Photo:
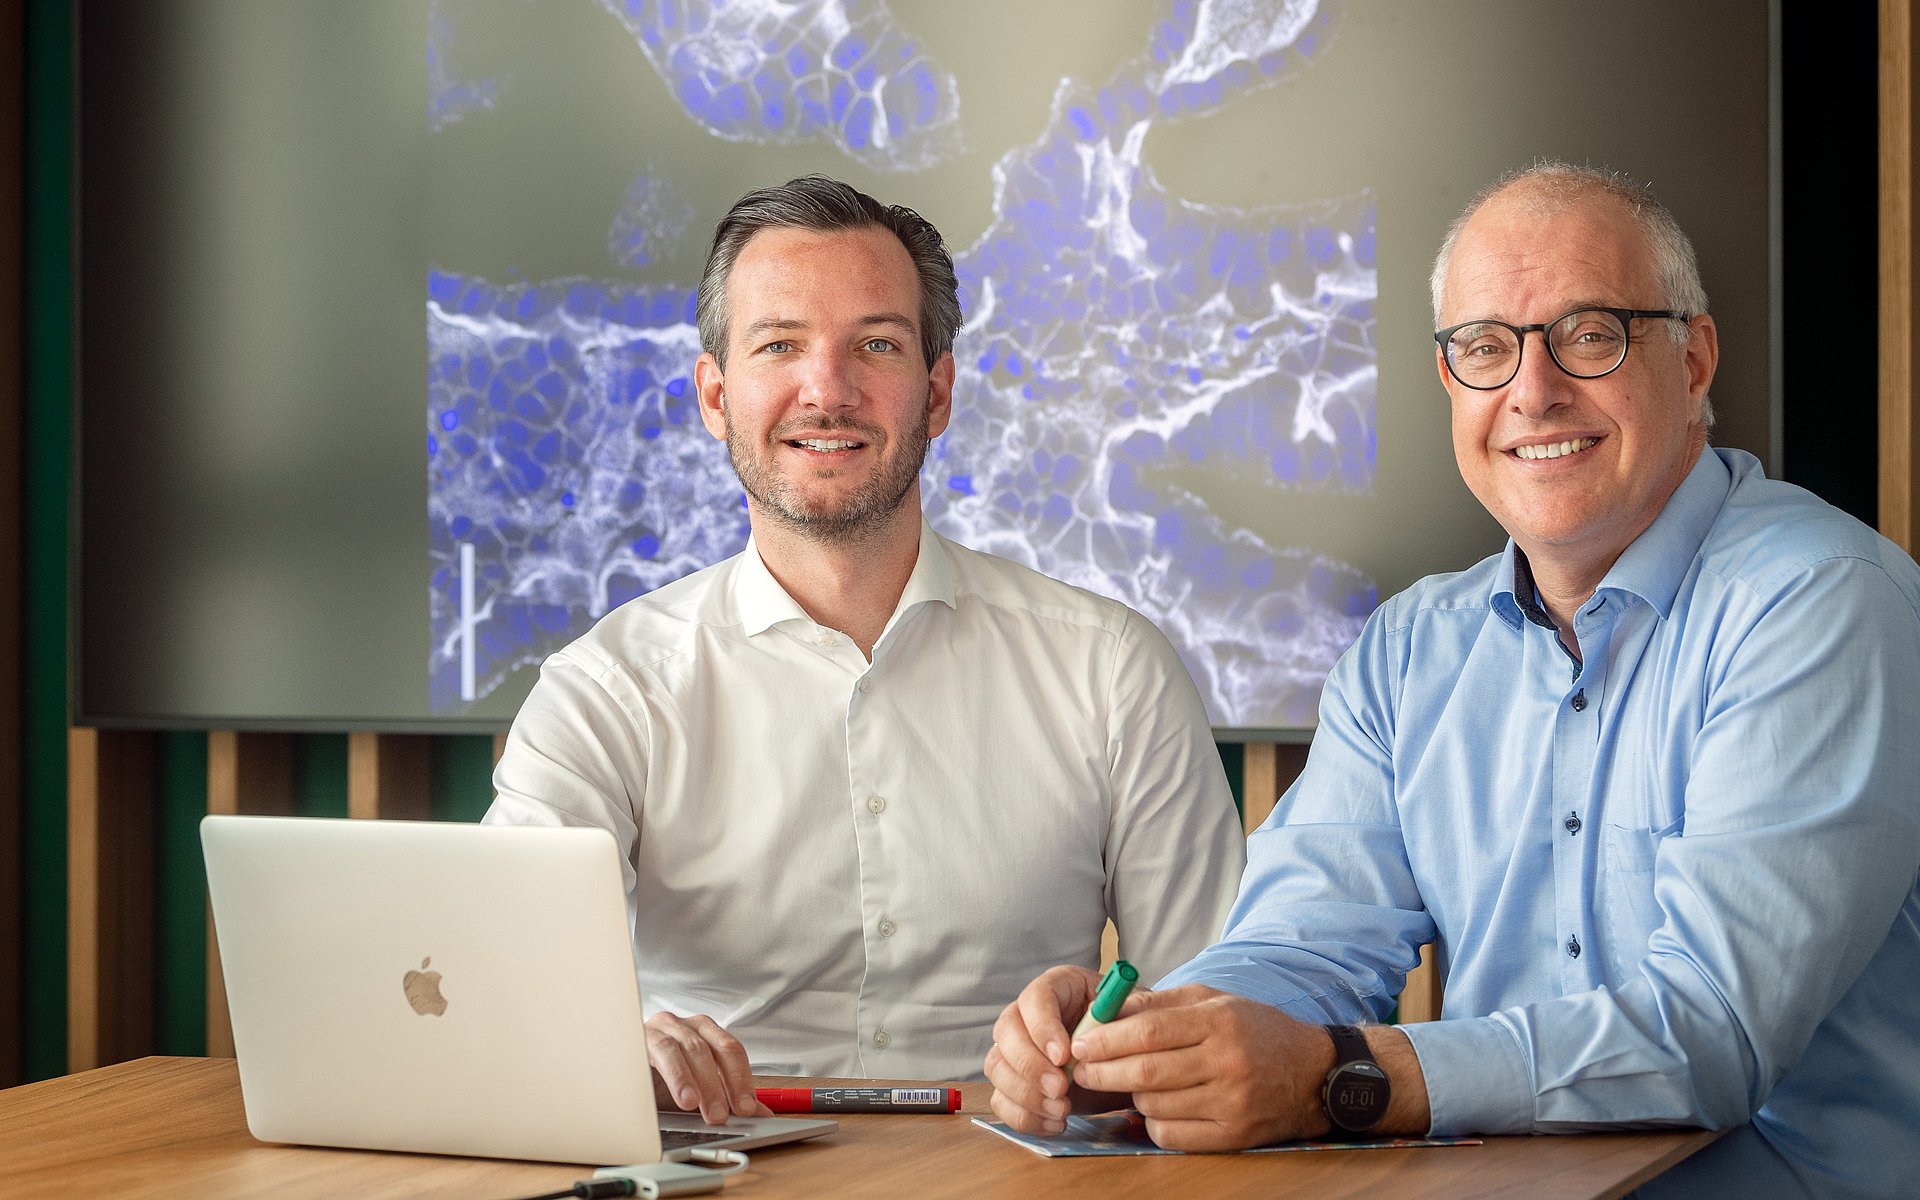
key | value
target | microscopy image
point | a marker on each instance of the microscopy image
(1126, 346)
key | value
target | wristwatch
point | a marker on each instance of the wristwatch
(1356, 1092)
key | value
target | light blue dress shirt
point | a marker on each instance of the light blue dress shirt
(1672, 883)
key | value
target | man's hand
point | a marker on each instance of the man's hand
(1210, 1070)
(697, 1064)
(1027, 1062)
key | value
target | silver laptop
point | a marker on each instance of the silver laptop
(443, 988)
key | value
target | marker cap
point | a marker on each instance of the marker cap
(1115, 987)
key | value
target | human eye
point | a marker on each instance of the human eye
(1590, 333)
(777, 346)
(1481, 341)
(1592, 327)
(879, 345)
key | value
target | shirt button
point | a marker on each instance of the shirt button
(1572, 823)
(864, 684)
(887, 928)
(1573, 947)
(1579, 700)
(881, 1038)
(876, 804)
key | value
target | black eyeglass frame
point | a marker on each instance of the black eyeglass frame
(1624, 315)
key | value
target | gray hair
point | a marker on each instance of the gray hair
(1551, 186)
(825, 205)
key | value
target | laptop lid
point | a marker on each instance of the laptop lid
(437, 987)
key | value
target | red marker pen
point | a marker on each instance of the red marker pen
(869, 1099)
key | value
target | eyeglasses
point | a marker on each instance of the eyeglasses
(1585, 343)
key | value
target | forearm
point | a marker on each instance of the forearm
(1408, 1114)
(1327, 926)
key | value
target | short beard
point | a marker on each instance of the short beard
(861, 515)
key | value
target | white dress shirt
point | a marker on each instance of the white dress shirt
(854, 866)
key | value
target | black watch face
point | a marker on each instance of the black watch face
(1356, 1096)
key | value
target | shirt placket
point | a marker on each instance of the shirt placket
(1576, 739)
(873, 808)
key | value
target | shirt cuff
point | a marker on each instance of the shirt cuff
(1476, 1076)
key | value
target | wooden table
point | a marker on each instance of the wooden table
(175, 1127)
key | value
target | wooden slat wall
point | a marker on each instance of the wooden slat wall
(1270, 769)
(110, 857)
(246, 773)
(388, 775)
(1899, 284)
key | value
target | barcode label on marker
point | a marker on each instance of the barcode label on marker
(918, 1095)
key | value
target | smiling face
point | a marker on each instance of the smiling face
(1573, 469)
(825, 403)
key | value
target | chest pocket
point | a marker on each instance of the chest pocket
(1628, 911)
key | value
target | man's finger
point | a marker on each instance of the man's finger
(730, 1060)
(1058, 995)
(1148, 1072)
(1024, 1092)
(1020, 1058)
(670, 1068)
(1026, 1120)
(1157, 1025)
(694, 1077)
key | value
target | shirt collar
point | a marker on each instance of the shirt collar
(1658, 561)
(1652, 566)
(932, 577)
(762, 603)
(758, 597)
(1513, 594)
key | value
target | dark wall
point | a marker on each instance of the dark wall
(1830, 252)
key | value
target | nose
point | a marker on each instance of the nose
(827, 380)
(1539, 386)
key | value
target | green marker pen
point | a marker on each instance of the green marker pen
(1115, 986)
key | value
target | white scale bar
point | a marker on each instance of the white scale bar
(466, 621)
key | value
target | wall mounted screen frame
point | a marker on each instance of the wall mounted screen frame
(383, 310)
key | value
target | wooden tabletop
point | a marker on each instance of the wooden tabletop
(175, 1127)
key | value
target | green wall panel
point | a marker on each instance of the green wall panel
(46, 436)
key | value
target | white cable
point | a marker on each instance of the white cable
(653, 1180)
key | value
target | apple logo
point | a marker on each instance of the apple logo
(423, 990)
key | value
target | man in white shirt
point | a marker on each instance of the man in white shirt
(867, 782)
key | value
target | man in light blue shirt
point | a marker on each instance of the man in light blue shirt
(1649, 780)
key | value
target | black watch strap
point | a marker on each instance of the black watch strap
(1349, 1045)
